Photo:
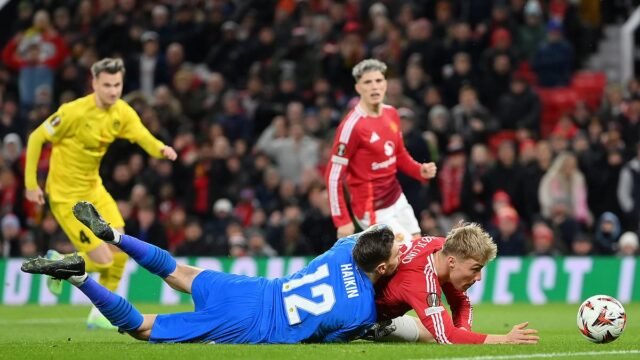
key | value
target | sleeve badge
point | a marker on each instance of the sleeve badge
(342, 149)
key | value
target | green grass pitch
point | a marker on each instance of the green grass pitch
(58, 332)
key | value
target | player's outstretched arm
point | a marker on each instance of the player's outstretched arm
(35, 195)
(169, 152)
(519, 334)
(35, 142)
(428, 170)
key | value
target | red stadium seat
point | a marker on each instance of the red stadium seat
(590, 87)
(555, 102)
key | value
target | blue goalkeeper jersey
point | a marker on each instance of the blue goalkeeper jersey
(330, 300)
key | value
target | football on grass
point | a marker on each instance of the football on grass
(601, 319)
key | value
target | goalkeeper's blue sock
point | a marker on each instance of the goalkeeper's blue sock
(150, 257)
(115, 308)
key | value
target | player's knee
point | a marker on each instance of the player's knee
(424, 336)
(140, 334)
(101, 256)
(99, 266)
(403, 329)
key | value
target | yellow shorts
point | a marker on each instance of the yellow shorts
(81, 237)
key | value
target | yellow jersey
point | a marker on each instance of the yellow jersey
(81, 133)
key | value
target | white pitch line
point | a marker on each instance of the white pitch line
(546, 355)
(41, 321)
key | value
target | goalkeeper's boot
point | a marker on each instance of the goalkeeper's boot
(87, 214)
(96, 320)
(58, 269)
(54, 285)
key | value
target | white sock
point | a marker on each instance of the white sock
(78, 280)
(116, 237)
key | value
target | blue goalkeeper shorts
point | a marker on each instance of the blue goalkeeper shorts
(227, 309)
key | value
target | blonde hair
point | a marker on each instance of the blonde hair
(470, 241)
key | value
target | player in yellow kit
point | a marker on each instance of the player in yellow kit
(81, 131)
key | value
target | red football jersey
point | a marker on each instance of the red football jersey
(415, 286)
(367, 151)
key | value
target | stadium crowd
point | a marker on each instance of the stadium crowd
(250, 92)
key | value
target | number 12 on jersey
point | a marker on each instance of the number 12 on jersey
(294, 302)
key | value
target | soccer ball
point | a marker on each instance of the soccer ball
(601, 319)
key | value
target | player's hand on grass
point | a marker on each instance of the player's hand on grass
(428, 170)
(519, 334)
(35, 195)
(346, 230)
(169, 153)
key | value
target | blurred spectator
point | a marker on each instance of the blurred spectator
(236, 240)
(293, 153)
(51, 236)
(160, 19)
(532, 175)
(429, 224)
(519, 108)
(472, 120)
(629, 124)
(441, 127)
(500, 44)
(508, 235)
(174, 55)
(543, 243)
(317, 225)
(11, 236)
(294, 243)
(628, 244)
(451, 175)
(443, 19)
(148, 70)
(10, 121)
(429, 50)
(553, 61)
(629, 191)
(565, 183)
(476, 194)
(419, 150)
(194, 243)
(35, 54)
(216, 86)
(415, 82)
(532, 33)
(146, 227)
(11, 190)
(506, 174)
(607, 232)
(175, 228)
(462, 76)
(234, 123)
(258, 246)
(582, 245)
(395, 95)
(463, 41)
(496, 80)
(613, 103)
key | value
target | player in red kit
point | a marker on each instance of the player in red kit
(367, 151)
(433, 266)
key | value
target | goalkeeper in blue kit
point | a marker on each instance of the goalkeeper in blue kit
(330, 300)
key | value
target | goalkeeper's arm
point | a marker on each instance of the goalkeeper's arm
(33, 191)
